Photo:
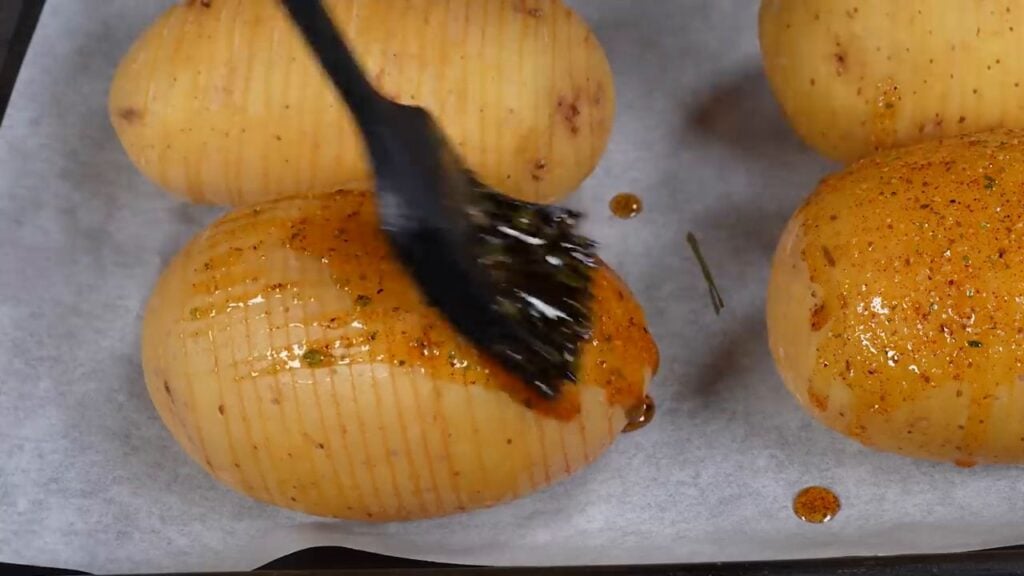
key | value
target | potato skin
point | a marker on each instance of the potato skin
(896, 307)
(221, 101)
(855, 76)
(290, 355)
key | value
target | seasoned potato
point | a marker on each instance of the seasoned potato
(220, 101)
(855, 76)
(896, 301)
(291, 356)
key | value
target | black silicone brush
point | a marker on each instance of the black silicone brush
(513, 277)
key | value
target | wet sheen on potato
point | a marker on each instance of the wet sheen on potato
(896, 300)
(292, 357)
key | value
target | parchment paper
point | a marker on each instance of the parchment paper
(90, 479)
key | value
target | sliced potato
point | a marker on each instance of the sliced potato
(855, 76)
(292, 357)
(896, 301)
(220, 101)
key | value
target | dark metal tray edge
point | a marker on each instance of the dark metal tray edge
(326, 561)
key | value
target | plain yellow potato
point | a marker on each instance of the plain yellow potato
(220, 100)
(896, 300)
(292, 357)
(855, 76)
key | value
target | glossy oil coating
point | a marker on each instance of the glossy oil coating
(896, 304)
(626, 205)
(290, 354)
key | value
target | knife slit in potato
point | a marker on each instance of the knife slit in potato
(354, 398)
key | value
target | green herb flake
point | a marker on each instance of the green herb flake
(974, 343)
(313, 357)
(967, 259)
(990, 182)
(195, 313)
(970, 292)
(717, 303)
(362, 301)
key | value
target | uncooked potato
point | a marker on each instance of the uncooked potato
(292, 357)
(854, 76)
(896, 300)
(220, 100)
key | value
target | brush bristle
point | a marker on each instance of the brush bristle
(541, 268)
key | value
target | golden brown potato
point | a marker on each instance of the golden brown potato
(896, 301)
(292, 357)
(220, 101)
(854, 76)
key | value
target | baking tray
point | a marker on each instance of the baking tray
(18, 19)
(346, 562)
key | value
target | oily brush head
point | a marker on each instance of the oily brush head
(515, 282)
(540, 268)
(512, 276)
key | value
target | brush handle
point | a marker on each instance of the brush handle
(337, 60)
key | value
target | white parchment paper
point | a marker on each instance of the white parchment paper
(90, 479)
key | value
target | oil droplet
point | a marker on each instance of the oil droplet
(816, 504)
(640, 415)
(626, 205)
